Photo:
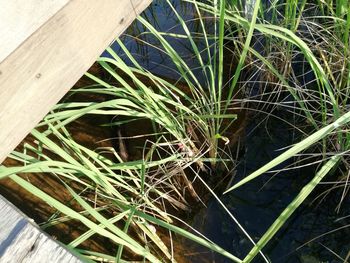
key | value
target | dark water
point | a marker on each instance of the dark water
(145, 48)
(257, 204)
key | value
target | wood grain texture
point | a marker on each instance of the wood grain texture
(36, 75)
(17, 22)
(22, 241)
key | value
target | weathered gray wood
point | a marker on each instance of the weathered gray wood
(40, 64)
(22, 241)
(46, 46)
(20, 19)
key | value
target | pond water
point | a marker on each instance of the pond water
(257, 204)
(145, 49)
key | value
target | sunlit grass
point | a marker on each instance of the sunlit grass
(191, 125)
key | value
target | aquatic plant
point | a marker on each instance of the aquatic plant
(317, 33)
(126, 201)
(192, 117)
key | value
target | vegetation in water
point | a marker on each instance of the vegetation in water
(252, 59)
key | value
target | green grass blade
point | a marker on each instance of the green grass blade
(68, 211)
(289, 210)
(320, 134)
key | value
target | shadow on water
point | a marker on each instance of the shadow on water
(146, 49)
(257, 204)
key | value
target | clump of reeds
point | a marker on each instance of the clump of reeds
(191, 125)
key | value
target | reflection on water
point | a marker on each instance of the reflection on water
(146, 49)
(257, 204)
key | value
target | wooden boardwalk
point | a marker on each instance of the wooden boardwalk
(22, 241)
(46, 46)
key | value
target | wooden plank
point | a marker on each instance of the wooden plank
(17, 22)
(22, 241)
(47, 64)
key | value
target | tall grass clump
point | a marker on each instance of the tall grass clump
(263, 56)
(125, 200)
(304, 56)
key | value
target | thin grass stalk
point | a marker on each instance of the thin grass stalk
(126, 241)
(251, 26)
(307, 142)
(290, 209)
